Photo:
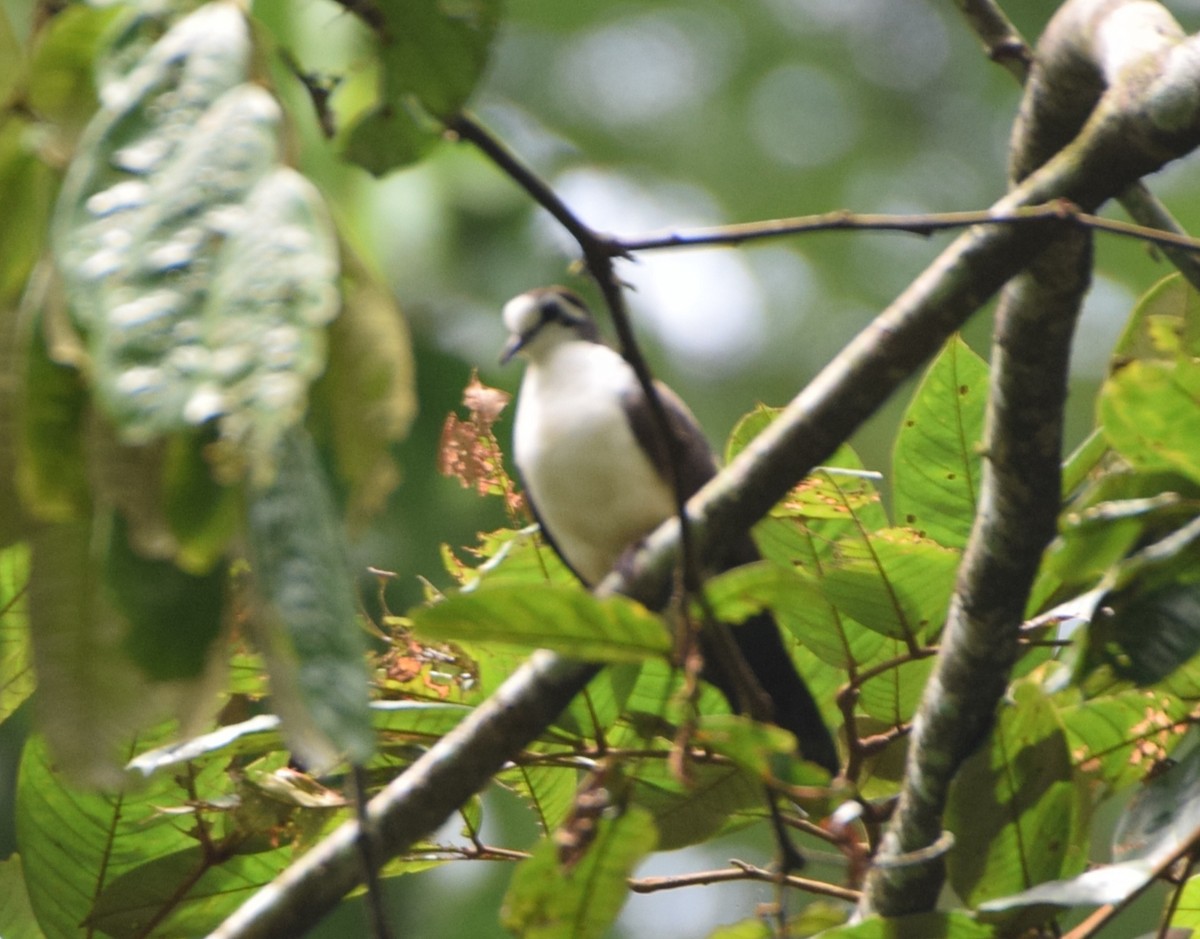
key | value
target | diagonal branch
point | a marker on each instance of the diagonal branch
(1006, 46)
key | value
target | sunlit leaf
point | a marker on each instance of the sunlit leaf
(566, 619)
(892, 695)
(1165, 321)
(1150, 411)
(16, 670)
(800, 607)
(894, 581)
(549, 790)
(1119, 738)
(937, 463)
(1186, 913)
(951, 925)
(1162, 819)
(716, 798)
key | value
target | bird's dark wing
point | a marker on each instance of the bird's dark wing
(758, 639)
(696, 463)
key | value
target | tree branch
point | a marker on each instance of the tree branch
(1156, 119)
(1005, 45)
(1020, 494)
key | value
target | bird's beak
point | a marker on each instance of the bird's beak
(512, 347)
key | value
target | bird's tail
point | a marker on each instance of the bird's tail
(792, 704)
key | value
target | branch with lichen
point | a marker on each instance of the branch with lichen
(1091, 54)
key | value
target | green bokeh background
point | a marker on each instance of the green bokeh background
(657, 115)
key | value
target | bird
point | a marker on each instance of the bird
(597, 476)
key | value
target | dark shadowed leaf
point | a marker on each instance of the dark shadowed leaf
(308, 628)
(1018, 805)
(544, 901)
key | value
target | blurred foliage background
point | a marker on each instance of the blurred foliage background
(660, 115)
(667, 115)
(653, 116)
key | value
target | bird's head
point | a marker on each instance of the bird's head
(543, 317)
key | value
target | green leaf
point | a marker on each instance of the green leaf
(937, 462)
(1162, 818)
(952, 925)
(128, 858)
(549, 791)
(150, 894)
(308, 628)
(432, 54)
(201, 514)
(746, 929)
(16, 915)
(566, 619)
(1118, 738)
(174, 617)
(761, 750)
(799, 606)
(582, 901)
(1165, 322)
(436, 50)
(716, 798)
(508, 556)
(419, 719)
(61, 89)
(17, 680)
(73, 842)
(26, 194)
(1186, 914)
(1150, 412)
(201, 271)
(893, 581)
(51, 467)
(1147, 634)
(366, 400)
(389, 137)
(892, 695)
(91, 696)
(1105, 523)
(1017, 813)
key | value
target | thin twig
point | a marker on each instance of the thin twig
(916, 224)
(369, 853)
(739, 873)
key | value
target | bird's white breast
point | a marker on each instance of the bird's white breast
(594, 488)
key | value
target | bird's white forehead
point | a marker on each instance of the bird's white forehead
(521, 314)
